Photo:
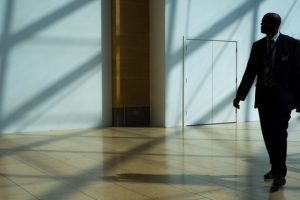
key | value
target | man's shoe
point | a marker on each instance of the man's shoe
(268, 175)
(278, 182)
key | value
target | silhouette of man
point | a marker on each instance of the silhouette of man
(275, 63)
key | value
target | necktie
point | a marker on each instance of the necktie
(269, 78)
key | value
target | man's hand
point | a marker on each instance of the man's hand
(236, 102)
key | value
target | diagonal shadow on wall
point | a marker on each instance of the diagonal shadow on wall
(232, 17)
(4, 55)
(227, 99)
(43, 96)
(200, 84)
(7, 43)
(29, 31)
(216, 28)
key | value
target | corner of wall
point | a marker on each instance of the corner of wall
(106, 65)
(157, 63)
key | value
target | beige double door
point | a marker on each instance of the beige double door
(209, 81)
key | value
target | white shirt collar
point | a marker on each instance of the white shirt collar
(275, 37)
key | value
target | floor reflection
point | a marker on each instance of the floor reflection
(225, 161)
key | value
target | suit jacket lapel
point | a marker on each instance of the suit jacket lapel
(281, 50)
(263, 51)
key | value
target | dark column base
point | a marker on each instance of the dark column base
(131, 116)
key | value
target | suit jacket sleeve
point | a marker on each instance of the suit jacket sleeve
(296, 74)
(249, 75)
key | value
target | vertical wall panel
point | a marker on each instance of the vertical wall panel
(224, 81)
(198, 85)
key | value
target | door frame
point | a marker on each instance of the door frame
(185, 41)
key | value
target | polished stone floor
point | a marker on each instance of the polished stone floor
(213, 162)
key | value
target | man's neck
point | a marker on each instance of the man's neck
(271, 35)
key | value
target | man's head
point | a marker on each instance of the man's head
(270, 24)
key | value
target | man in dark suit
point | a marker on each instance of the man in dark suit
(275, 63)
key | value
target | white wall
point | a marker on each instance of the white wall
(52, 65)
(235, 20)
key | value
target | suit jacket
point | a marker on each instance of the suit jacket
(286, 72)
